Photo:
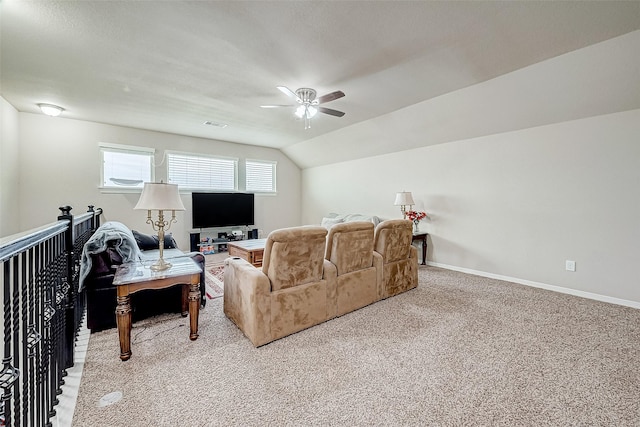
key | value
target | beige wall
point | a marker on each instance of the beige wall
(518, 174)
(60, 165)
(9, 206)
(515, 205)
(511, 203)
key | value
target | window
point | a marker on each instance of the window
(261, 176)
(125, 166)
(200, 172)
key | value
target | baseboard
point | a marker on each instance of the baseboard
(589, 295)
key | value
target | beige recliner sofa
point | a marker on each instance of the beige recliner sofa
(350, 249)
(398, 262)
(308, 277)
(295, 289)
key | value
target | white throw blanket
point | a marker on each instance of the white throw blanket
(114, 231)
(334, 218)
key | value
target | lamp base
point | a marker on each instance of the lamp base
(160, 265)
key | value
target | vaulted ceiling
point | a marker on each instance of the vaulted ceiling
(171, 66)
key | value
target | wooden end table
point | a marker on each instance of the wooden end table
(421, 237)
(251, 250)
(137, 276)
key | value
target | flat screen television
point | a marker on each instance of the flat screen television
(221, 209)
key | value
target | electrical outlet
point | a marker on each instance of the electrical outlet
(570, 265)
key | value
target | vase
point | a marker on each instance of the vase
(415, 226)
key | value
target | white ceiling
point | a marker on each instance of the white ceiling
(170, 66)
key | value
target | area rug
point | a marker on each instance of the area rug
(214, 280)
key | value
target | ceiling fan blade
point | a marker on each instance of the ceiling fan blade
(330, 96)
(289, 93)
(331, 112)
(276, 106)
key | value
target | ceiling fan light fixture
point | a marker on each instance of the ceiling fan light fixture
(51, 110)
(308, 104)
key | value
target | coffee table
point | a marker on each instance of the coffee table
(137, 276)
(251, 250)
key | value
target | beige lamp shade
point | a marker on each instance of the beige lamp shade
(404, 198)
(159, 196)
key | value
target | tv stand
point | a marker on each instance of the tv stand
(218, 238)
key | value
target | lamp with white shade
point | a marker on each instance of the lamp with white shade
(159, 196)
(404, 199)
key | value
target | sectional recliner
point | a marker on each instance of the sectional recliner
(310, 275)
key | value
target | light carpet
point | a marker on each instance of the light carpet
(458, 350)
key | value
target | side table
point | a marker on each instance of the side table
(421, 237)
(137, 276)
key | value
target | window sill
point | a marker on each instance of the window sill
(119, 190)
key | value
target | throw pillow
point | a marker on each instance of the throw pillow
(114, 257)
(99, 265)
(169, 242)
(146, 242)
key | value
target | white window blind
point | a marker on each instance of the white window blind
(126, 167)
(261, 176)
(202, 172)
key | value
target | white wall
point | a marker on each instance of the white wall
(9, 206)
(60, 165)
(516, 204)
(518, 174)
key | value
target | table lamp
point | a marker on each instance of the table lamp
(403, 199)
(158, 196)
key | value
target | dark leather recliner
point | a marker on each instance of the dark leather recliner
(101, 293)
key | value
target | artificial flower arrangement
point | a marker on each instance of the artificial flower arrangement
(416, 216)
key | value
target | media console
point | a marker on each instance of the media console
(219, 243)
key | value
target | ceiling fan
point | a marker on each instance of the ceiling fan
(308, 104)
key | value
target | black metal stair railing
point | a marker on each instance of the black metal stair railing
(42, 313)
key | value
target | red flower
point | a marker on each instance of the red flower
(416, 216)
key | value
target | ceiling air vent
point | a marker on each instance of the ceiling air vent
(218, 125)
